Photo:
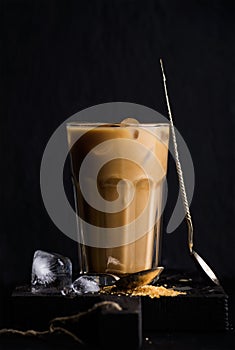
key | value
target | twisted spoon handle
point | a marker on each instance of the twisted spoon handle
(178, 168)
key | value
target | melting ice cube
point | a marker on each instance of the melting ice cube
(129, 121)
(85, 284)
(50, 270)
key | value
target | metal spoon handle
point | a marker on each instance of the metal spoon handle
(188, 218)
(178, 167)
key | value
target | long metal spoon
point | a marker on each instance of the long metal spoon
(200, 262)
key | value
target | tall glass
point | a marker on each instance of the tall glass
(118, 173)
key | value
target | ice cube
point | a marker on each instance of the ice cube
(85, 284)
(129, 121)
(50, 270)
(103, 279)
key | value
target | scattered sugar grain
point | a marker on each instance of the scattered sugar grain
(147, 290)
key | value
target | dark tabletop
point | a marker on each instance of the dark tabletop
(161, 340)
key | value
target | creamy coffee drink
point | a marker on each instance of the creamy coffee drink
(118, 174)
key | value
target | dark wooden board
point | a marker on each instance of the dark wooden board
(204, 307)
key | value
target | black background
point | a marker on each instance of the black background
(63, 56)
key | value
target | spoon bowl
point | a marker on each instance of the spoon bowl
(138, 279)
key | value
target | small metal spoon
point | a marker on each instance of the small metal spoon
(127, 281)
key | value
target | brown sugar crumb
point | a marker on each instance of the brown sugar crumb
(147, 290)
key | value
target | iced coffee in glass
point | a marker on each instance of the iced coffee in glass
(118, 172)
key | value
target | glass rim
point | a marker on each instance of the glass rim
(90, 124)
